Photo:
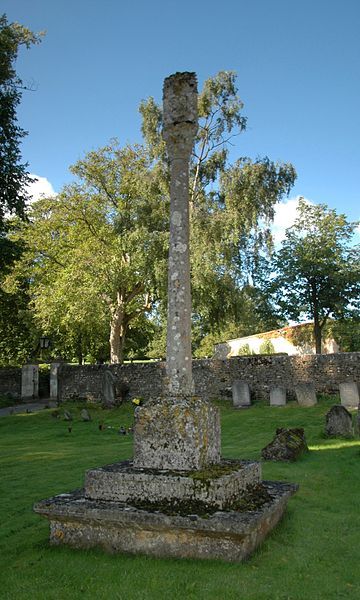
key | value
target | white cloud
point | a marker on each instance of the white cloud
(40, 188)
(285, 215)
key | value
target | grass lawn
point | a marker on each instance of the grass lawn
(314, 552)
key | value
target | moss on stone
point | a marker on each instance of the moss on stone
(214, 471)
(253, 499)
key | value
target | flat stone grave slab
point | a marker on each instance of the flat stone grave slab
(349, 394)
(117, 527)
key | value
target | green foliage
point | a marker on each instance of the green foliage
(17, 330)
(95, 254)
(317, 268)
(267, 347)
(254, 314)
(229, 203)
(346, 333)
(245, 350)
(13, 174)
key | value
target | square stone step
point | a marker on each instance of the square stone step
(232, 536)
(217, 486)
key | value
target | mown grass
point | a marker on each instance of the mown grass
(313, 554)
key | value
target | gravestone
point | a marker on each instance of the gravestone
(241, 394)
(338, 422)
(277, 396)
(305, 394)
(85, 415)
(108, 389)
(287, 445)
(349, 394)
(54, 380)
(29, 382)
(177, 497)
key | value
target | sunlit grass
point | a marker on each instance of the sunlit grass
(313, 554)
(335, 445)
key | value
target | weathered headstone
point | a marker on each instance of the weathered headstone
(54, 380)
(287, 445)
(29, 382)
(338, 422)
(277, 396)
(67, 416)
(349, 394)
(305, 394)
(159, 504)
(241, 394)
(108, 389)
(85, 415)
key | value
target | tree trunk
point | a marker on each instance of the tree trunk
(117, 337)
(79, 349)
(315, 309)
(317, 334)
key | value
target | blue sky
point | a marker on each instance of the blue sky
(298, 75)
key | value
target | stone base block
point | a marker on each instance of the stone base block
(218, 485)
(182, 435)
(231, 536)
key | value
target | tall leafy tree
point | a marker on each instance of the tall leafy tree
(95, 254)
(15, 320)
(232, 204)
(14, 177)
(317, 269)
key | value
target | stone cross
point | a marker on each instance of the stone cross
(180, 126)
(178, 432)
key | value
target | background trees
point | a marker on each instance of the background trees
(317, 269)
(95, 254)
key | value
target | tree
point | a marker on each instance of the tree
(14, 177)
(16, 328)
(231, 204)
(317, 269)
(95, 254)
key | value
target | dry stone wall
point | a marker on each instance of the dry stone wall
(213, 378)
(10, 382)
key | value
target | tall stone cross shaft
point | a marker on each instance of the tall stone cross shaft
(178, 432)
(180, 126)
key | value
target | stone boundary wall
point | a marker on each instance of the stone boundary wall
(10, 382)
(213, 378)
